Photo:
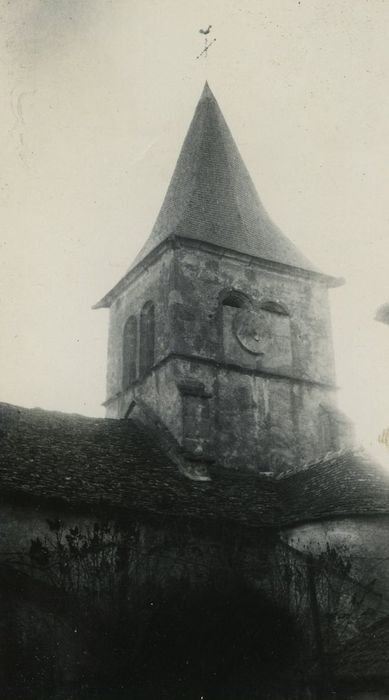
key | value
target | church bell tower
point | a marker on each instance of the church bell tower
(220, 331)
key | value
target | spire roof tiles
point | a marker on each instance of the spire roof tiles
(212, 198)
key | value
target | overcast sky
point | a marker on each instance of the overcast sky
(97, 96)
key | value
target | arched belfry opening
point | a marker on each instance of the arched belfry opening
(130, 351)
(234, 299)
(147, 338)
(274, 307)
(232, 304)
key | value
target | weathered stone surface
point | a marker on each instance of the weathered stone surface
(365, 541)
(264, 408)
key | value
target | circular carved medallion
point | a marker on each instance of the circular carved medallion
(251, 329)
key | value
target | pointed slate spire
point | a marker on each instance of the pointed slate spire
(212, 198)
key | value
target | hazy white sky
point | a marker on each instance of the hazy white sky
(97, 96)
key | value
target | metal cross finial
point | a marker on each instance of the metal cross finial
(207, 46)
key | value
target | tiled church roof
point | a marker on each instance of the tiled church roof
(106, 463)
(98, 463)
(339, 484)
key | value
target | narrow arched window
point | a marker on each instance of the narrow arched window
(147, 337)
(130, 349)
(274, 307)
(232, 304)
(235, 299)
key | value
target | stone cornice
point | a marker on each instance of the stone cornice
(174, 241)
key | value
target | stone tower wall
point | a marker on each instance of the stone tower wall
(218, 399)
(200, 279)
(152, 284)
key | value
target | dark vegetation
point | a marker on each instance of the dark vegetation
(86, 615)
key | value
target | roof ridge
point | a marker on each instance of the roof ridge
(36, 410)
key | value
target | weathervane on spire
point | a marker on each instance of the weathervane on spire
(207, 45)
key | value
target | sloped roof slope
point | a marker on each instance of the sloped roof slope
(111, 464)
(349, 482)
(114, 464)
